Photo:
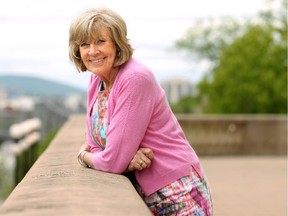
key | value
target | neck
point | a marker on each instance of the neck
(109, 83)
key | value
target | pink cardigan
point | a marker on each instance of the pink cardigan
(139, 116)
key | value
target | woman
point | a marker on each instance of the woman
(129, 124)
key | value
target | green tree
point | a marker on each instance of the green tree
(184, 105)
(249, 64)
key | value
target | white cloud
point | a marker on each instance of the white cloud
(34, 33)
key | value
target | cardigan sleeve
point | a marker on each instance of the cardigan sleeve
(134, 103)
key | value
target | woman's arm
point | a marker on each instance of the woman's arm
(134, 104)
(142, 159)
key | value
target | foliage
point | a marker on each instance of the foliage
(5, 187)
(185, 105)
(206, 38)
(6, 175)
(46, 141)
(249, 70)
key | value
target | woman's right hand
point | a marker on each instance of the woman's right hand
(142, 160)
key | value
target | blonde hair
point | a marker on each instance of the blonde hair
(87, 26)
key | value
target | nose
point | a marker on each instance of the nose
(93, 49)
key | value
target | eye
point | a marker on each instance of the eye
(100, 42)
(84, 44)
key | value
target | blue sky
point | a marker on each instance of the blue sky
(34, 34)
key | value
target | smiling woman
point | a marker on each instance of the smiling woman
(130, 128)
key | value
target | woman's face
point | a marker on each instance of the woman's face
(99, 54)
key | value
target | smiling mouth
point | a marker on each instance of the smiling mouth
(96, 61)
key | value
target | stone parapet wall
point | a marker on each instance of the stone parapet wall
(236, 134)
(57, 185)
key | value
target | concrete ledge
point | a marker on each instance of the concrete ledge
(246, 134)
(57, 185)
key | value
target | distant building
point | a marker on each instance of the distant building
(177, 88)
(75, 102)
(23, 103)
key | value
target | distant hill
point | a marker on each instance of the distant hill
(34, 86)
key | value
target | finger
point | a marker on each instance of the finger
(146, 160)
(130, 168)
(143, 164)
(138, 167)
(148, 153)
(135, 163)
(143, 157)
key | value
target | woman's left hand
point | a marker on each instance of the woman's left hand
(141, 160)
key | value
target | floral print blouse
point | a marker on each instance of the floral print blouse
(98, 121)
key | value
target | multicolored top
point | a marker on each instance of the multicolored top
(99, 124)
